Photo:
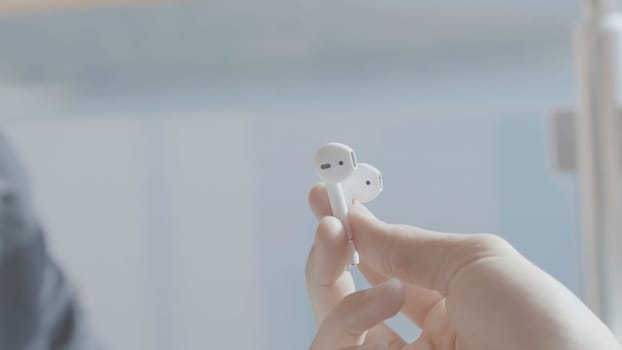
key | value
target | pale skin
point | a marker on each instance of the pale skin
(465, 292)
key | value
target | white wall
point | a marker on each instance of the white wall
(153, 221)
(190, 229)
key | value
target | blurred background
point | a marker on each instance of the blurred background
(169, 145)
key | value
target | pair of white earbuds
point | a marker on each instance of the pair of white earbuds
(346, 180)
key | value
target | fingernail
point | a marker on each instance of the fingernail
(392, 284)
(329, 228)
(334, 224)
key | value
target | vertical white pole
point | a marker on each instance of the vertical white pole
(611, 147)
(586, 169)
(599, 152)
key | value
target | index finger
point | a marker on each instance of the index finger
(318, 201)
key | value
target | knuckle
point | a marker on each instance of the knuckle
(488, 243)
(469, 252)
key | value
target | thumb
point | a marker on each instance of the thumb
(425, 258)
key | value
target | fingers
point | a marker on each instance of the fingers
(419, 301)
(328, 281)
(348, 323)
(425, 258)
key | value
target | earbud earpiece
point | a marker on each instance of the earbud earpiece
(345, 180)
(335, 162)
(364, 184)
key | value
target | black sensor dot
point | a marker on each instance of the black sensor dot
(368, 182)
(341, 162)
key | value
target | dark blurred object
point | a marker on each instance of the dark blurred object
(38, 308)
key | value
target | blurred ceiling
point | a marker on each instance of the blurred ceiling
(153, 43)
(46, 5)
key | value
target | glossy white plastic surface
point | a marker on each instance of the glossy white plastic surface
(346, 180)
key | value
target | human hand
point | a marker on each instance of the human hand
(465, 292)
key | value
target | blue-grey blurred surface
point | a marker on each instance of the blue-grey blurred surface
(170, 146)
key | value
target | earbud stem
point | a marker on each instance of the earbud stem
(339, 204)
(340, 207)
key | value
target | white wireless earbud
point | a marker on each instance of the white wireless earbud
(364, 184)
(334, 163)
(346, 180)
